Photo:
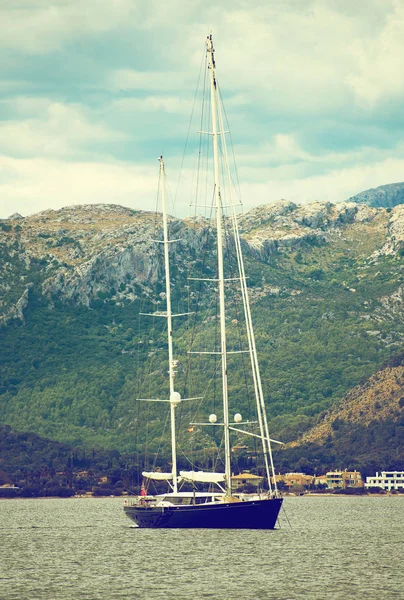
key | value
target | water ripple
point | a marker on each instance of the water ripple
(336, 548)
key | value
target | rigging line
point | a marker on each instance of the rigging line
(195, 413)
(231, 146)
(146, 449)
(189, 460)
(153, 327)
(206, 156)
(193, 332)
(142, 374)
(286, 515)
(255, 366)
(156, 213)
(141, 347)
(204, 115)
(161, 441)
(218, 456)
(137, 454)
(137, 368)
(213, 378)
(199, 294)
(216, 364)
(235, 300)
(138, 373)
(148, 407)
(190, 324)
(186, 387)
(189, 126)
(205, 241)
(261, 411)
(200, 136)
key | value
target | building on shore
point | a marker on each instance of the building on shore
(344, 479)
(387, 480)
(243, 479)
(320, 480)
(332, 480)
(295, 480)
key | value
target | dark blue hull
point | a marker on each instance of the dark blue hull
(253, 514)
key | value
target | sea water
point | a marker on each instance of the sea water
(332, 547)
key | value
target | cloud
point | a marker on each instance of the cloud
(46, 128)
(152, 81)
(377, 72)
(313, 91)
(153, 105)
(38, 26)
(335, 185)
(285, 150)
(31, 185)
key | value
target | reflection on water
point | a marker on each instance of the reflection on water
(337, 547)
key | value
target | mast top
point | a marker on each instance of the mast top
(211, 53)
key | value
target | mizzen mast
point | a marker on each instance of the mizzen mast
(174, 396)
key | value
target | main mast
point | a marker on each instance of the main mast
(218, 129)
(220, 247)
(174, 396)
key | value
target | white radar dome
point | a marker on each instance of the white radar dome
(212, 418)
(175, 398)
(238, 418)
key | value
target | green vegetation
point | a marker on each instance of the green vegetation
(40, 467)
(72, 373)
(376, 447)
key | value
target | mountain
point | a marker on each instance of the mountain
(327, 290)
(384, 196)
(380, 398)
(364, 431)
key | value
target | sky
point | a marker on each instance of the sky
(91, 93)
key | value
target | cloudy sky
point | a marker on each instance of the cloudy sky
(92, 92)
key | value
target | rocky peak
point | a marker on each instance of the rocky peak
(265, 214)
(396, 230)
(284, 224)
(92, 251)
(15, 217)
(384, 196)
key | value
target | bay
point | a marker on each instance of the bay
(335, 547)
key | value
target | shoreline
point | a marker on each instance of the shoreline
(288, 495)
(331, 494)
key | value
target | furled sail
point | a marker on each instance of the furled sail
(157, 475)
(202, 476)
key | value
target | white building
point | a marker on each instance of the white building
(387, 480)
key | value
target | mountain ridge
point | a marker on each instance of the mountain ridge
(90, 249)
(326, 284)
(383, 196)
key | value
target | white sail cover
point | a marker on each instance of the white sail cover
(157, 475)
(202, 476)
